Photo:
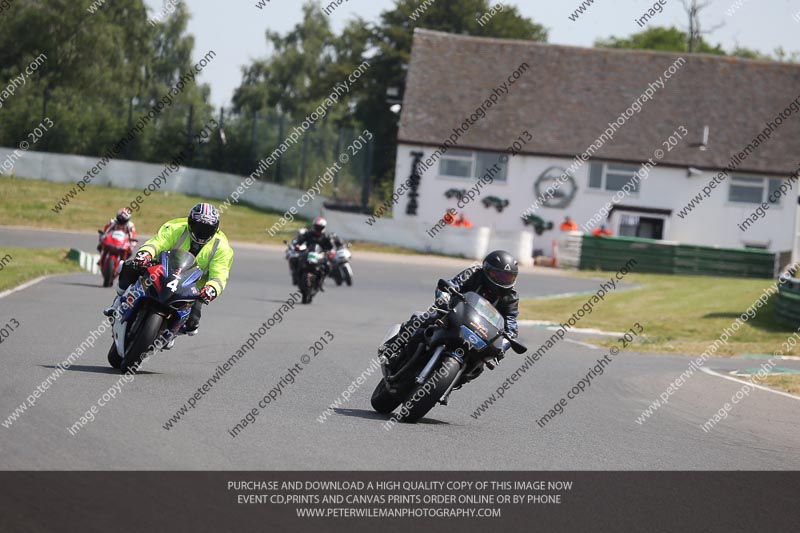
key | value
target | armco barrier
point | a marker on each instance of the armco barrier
(664, 257)
(787, 305)
(68, 169)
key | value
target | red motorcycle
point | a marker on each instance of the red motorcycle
(115, 248)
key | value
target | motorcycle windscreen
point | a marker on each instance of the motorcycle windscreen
(181, 272)
(174, 259)
(485, 309)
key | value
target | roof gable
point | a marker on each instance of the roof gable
(568, 96)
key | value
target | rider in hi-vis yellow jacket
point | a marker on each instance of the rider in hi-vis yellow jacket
(198, 234)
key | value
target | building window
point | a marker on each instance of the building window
(473, 165)
(612, 177)
(753, 190)
(456, 164)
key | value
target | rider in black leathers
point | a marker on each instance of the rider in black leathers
(494, 280)
(318, 235)
(315, 236)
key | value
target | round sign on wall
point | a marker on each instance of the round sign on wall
(562, 194)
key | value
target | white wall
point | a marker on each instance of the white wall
(69, 169)
(714, 222)
(473, 243)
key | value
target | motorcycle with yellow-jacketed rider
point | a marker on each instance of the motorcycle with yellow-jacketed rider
(163, 288)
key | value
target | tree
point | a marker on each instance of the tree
(674, 40)
(659, 38)
(172, 57)
(695, 33)
(280, 91)
(86, 55)
(95, 64)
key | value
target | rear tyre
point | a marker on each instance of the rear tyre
(145, 338)
(113, 357)
(382, 400)
(424, 397)
(108, 273)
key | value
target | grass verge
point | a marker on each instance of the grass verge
(22, 264)
(680, 314)
(28, 202)
(788, 382)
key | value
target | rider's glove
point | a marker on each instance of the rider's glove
(207, 294)
(142, 259)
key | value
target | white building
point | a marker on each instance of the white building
(468, 99)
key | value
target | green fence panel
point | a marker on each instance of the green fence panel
(787, 306)
(610, 253)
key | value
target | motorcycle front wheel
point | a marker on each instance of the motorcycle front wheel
(143, 343)
(113, 357)
(382, 400)
(348, 277)
(307, 287)
(108, 272)
(425, 396)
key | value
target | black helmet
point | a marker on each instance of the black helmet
(500, 269)
(123, 216)
(319, 226)
(203, 222)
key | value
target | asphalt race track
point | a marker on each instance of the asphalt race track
(596, 431)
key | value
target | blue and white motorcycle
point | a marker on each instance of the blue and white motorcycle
(154, 308)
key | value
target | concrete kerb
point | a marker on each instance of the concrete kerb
(85, 260)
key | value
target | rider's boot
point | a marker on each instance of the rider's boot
(395, 350)
(111, 310)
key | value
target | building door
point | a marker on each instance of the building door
(639, 226)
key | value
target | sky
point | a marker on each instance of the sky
(235, 30)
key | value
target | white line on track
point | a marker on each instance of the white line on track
(584, 344)
(553, 326)
(25, 285)
(745, 382)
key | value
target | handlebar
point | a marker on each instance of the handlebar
(446, 286)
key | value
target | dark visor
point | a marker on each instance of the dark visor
(502, 277)
(202, 232)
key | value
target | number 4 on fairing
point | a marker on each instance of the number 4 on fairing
(173, 285)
